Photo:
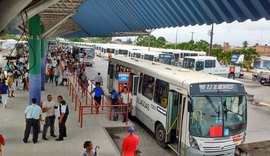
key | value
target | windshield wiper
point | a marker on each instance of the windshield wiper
(212, 104)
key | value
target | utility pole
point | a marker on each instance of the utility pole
(192, 35)
(149, 31)
(211, 40)
(176, 36)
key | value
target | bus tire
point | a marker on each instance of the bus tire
(160, 135)
(231, 76)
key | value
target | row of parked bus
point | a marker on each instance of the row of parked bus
(167, 56)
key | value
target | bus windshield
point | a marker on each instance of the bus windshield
(167, 59)
(90, 53)
(217, 116)
(188, 63)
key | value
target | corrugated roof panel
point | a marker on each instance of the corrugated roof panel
(105, 17)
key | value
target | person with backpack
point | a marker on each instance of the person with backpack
(114, 99)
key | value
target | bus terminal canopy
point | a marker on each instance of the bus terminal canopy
(103, 17)
(97, 18)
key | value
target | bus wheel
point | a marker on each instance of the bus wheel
(231, 76)
(160, 135)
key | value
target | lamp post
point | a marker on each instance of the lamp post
(176, 36)
(149, 31)
(211, 39)
(192, 35)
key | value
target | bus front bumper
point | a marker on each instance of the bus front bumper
(194, 152)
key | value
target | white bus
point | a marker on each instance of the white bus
(191, 112)
(85, 54)
(162, 57)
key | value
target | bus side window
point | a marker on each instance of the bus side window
(199, 65)
(161, 93)
(141, 83)
(148, 86)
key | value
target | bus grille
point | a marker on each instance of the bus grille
(218, 148)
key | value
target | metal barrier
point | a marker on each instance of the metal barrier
(90, 103)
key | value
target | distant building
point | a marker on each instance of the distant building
(263, 50)
(226, 46)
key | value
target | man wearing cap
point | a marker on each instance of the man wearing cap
(130, 143)
(125, 99)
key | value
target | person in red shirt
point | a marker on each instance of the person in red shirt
(2, 142)
(130, 143)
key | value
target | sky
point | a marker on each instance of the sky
(234, 33)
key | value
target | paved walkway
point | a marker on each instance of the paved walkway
(12, 125)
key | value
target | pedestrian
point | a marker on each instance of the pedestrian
(33, 115)
(88, 148)
(125, 99)
(64, 112)
(4, 93)
(64, 77)
(2, 143)
(130, 143)
(115, 101)
(98, 79)
(16, 76)
(51, 74)
(48, 109)
(11, 85)
(56, 74)
(138, 153)
(98, 93)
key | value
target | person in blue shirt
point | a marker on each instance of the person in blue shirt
(115, 101)
(4, 95)
(98, 93)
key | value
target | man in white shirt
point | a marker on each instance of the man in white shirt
(48, 109)
(125, 99)
(32, 115)
(64, 77)
(98, 79)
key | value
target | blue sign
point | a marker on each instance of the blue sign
(234, 57)
(123, 77)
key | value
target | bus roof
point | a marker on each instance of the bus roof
(174, 75)
(202, 57)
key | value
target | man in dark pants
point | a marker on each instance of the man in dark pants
(64, 111)
(48, 109)
(32, 114)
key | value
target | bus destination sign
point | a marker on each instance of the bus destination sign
(225, 87)
(123, 77)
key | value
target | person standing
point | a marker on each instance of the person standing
(48, 109)
(33, 115)
(64, 111)
(2, 142)
(98, 79)
(56, 74)
(125, 99)
(130, 143)
(10, 82)
(98, 93)
(4, 93)
(115, 101)
(64, 78)
(51, 74)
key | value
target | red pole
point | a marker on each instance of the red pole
(86, 93)
(102, 104)
(110, 112)
(127, 115)
(91, 104)
(72, 94)
(76, 97)
(81, 116)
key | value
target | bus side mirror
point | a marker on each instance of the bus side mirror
(190, 107)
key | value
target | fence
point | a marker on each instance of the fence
(85, 100)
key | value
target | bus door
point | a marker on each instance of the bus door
(134, 91)
(174, 120)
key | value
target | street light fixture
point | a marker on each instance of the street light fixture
(149, 31)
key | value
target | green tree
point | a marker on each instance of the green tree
(101, 39)
(8, 36)
(245, 44)
(75, 40)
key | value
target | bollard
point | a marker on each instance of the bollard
(81, 116)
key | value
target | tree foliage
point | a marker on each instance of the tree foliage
(75, 40)
(154, 42)
(8, 36)
(101, 39)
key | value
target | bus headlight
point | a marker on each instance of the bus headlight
(193, 143)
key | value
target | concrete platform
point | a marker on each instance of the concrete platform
(12, 125)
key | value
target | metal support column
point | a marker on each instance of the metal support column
(34, 60)
(43, 61)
